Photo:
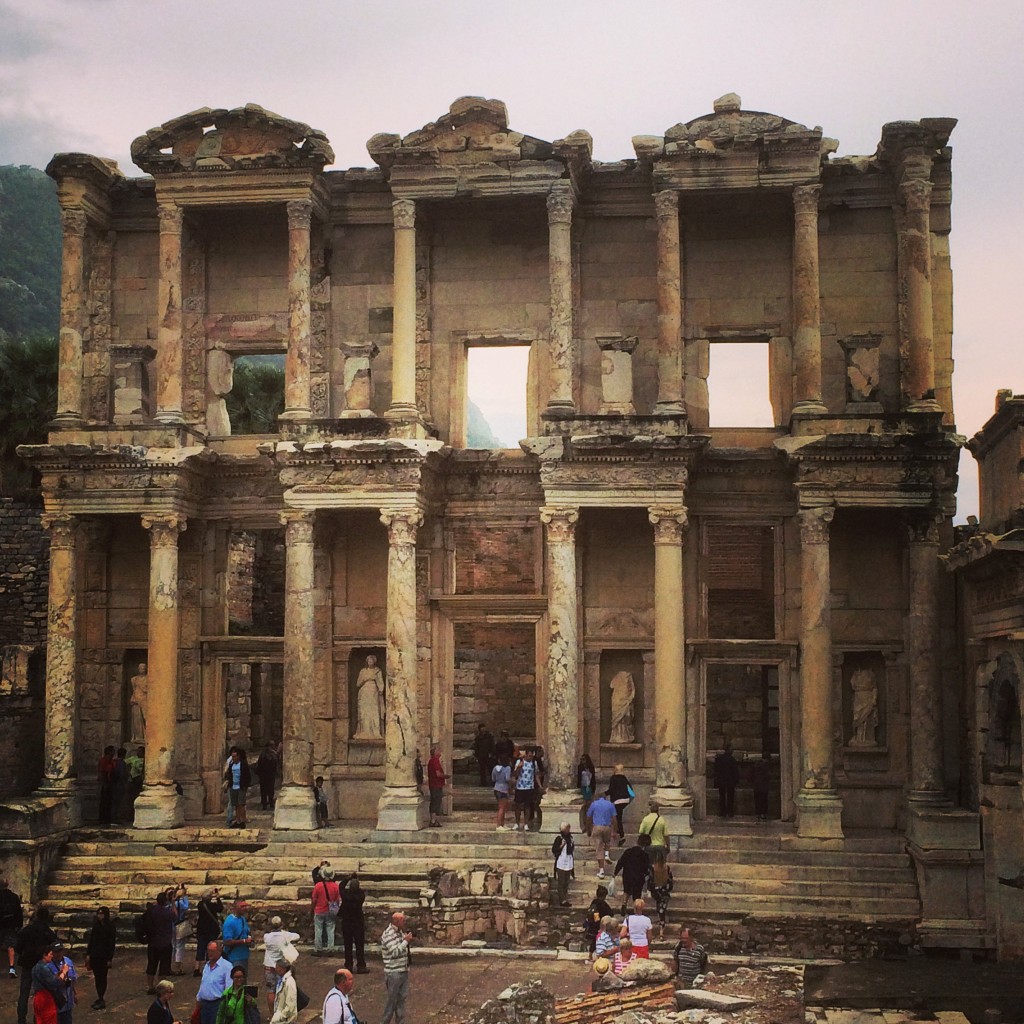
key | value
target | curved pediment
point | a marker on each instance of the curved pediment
(244, 138)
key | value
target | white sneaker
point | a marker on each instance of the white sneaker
(600, 874)
(502, 828)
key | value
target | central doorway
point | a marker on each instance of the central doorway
(743, 712)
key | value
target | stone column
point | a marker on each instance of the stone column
(169, 361)
(671, 783)
(670, 305)
(806, 303)
(915, 262)
(403, 336)
(296, 368)
(560, 346)
(563, 685)
(927, 786)
(158, 805)
(819, 809)
(401, 806)
(294, 809)
(61, 665)
(72, 317)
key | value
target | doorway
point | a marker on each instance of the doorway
(743, 712)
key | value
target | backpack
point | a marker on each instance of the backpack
(142, 927)
(301, 999)
(556, 845)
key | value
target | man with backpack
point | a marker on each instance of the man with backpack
(326, 902)
(563, 849)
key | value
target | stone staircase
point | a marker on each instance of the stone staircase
(751, 886)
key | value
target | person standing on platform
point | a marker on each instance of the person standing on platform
(501, 776)
(325, 901)
(266, 772)
(239, 779)
(137, 771)
(562, 849)
(99, 953)
(483, 751)
(237, 934)
(525, 775)
(105, 770)
(727, 774)
(394, 951)
(620, 792)
(436, 778)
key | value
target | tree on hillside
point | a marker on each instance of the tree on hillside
(28, 402)
(256, 398)
(30, 248)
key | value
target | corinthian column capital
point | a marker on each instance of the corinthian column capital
(924, 530)
(170, 215)
(62, 529)
(560, 204)
(164, 528)
(670, 522)
(298, 525)
(916, 195)
(404, 213)
(560, 521)
(402, 525)
(300, 214)
(805, 199)
(814, 524)
(666, 203)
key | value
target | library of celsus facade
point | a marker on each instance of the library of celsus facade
(777, 589)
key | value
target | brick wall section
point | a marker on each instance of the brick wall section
(493, 560)
(24, 577)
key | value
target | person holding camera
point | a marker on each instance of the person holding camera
(182, 926)
(208, 920)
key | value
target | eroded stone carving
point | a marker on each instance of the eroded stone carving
(369, 702)
(137, 704)
(865, 708)
(621, 724)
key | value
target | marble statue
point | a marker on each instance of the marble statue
(865, 708)
(370, 702)
(623, 695)
(137, 705)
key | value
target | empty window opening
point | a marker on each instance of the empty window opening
(738, 385)
(496, 378)
(256, 397)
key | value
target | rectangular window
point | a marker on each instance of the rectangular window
(496, 395)
(738, 385)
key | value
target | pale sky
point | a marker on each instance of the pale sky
(91, 75)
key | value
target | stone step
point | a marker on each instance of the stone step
(249, 887)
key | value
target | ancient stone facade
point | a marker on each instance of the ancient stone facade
(645, 585)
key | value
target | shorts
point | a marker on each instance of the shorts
(158, 961)
(270, 978)
(524, 797)
(602, 835)
(7, 939)
(436, 796)
(500, 796)
(237, 797)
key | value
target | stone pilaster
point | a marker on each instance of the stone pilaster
(560, 340)
(819, 809)
(159, 806)
(806, 303)
(915, 272)
(927, 786)
(401, 805)
(670, 304)
(61, 661)
(296, 365)
(563, 686)
(671, 783)
(169, 360)
(403, 337)
(72, 317)
(294, 809)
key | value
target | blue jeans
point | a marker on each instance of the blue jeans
(323, 930)
(208, 1011)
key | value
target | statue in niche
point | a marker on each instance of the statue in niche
(865, 709)
(623, 693)
(369, 701)
(137, 705)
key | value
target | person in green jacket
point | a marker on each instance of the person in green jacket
(237, 1006)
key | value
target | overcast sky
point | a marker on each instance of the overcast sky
(92, 74)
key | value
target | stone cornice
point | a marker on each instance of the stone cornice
(982, 546)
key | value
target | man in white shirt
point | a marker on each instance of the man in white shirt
(563, 849)
(337, 1008)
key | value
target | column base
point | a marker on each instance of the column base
(56, 805)
(159, 807)
(819, 814)
(810, 407)
(401, 809)
(67, 421)
(558, 805)
(296, 415)
(933, 823)
(672, 408)
(924, 405)
(676, 807)
(294, 810)
(170, 417)
(406, 422)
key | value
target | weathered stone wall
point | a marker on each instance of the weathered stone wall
(24, 561)
(491, 559)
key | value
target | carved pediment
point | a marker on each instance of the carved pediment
(245, 138)
(732, 147)
(472, 148)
